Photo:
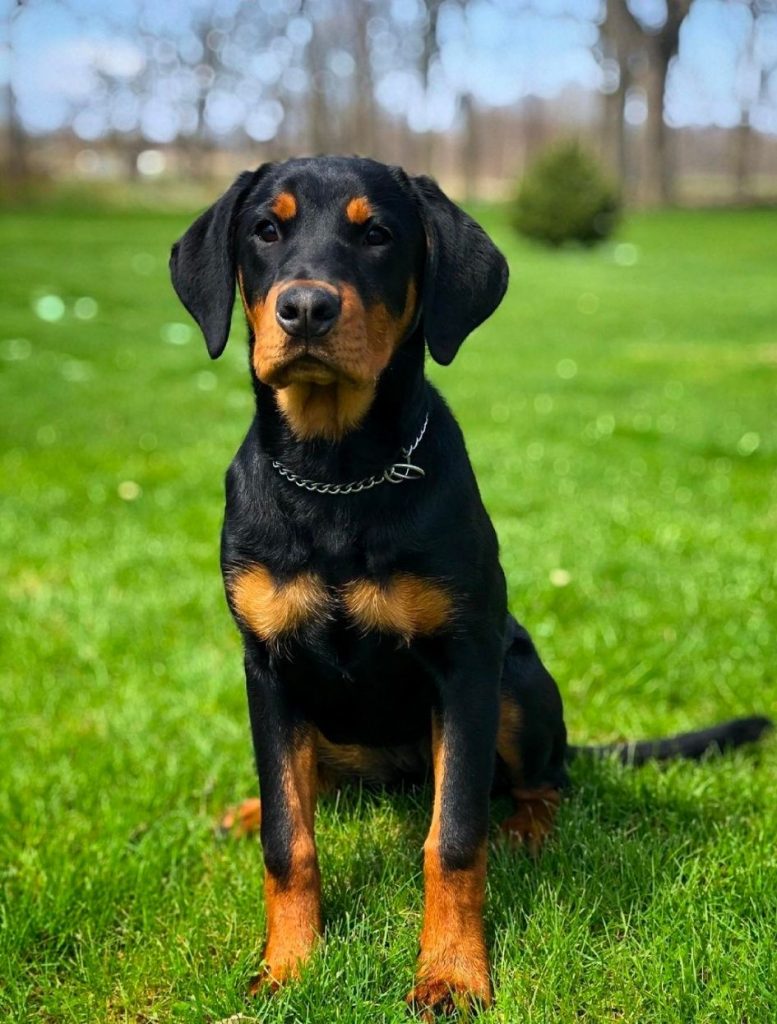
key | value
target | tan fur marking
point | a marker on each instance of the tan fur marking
(534, 809)
(285, 206)
(407, 605)
(241, 286)
(507, 746)
(271, 609)
(358, 210)
(294, 903)
(326, 398)
(340, 761)
(358, 350)
(533, 817)
(453, 964)
(324, 410)
(270, 345)
(244, 819)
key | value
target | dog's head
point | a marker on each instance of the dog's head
(338, 261)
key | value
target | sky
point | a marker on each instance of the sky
(59, 54)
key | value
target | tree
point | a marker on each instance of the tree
(621, 39)
(429, 52)
(661, 44)
(16, 156)
(757, 64)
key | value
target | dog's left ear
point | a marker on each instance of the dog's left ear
(202, 264)
(465, 276)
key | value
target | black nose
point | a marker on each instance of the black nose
(306, 311)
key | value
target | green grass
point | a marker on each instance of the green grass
(622, 422)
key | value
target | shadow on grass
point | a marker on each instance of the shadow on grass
(622, 834)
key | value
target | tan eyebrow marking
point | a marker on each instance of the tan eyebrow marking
(285, 206)
(358, 210)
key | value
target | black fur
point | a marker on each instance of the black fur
(202, 265)
(689, 745)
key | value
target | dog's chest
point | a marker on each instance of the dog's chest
(308, 605)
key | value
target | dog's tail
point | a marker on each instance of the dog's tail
(690, 745)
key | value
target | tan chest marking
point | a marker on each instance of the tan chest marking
(272, 609)
(324, 410)
(407, 605)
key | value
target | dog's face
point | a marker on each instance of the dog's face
(338, 261)
(329, 255)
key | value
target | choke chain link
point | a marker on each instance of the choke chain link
(396, 473)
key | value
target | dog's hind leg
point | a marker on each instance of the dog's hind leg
(531, 742)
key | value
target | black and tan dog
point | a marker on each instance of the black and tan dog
(359, 562)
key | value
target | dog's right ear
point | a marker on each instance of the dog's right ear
(202, 264)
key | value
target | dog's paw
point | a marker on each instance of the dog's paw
(437, 996)
(523, 833)
(244, 819)
(282, 962)
(272, 975)
(263, 983)
(532, 822)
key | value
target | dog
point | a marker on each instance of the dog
(359, 562)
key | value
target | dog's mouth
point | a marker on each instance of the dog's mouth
(305, 368)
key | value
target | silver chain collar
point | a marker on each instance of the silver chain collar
(396, 473)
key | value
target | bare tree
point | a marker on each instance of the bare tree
(429, 53)
(661, 44)
(745, 139)
(364, 92)
(17, 164)
(621, 40)
(470, 162)
(16, 157)
(318, 118)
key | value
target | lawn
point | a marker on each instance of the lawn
(620, 412)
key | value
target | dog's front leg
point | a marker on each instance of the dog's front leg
(453, 966)
(285, 750)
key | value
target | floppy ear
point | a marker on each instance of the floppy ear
(465, 276)
(202, 265)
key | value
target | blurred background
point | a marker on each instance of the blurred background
(677, 98)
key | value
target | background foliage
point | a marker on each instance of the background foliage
(566, 197)
(678, 97)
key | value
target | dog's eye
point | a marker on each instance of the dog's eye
(267, 231)
(377, 236)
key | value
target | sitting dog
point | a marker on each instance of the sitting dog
(359, 562)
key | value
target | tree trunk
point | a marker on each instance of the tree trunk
(469, 161)
(535, 132)
(662, 46)
(364, 106)
(620, 38)
(428, 54)
(615, 149)
(658, 179)
(318, 121)
(17, 156)
(743, 143)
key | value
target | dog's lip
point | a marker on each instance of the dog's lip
(308, 358)
(306, 366)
